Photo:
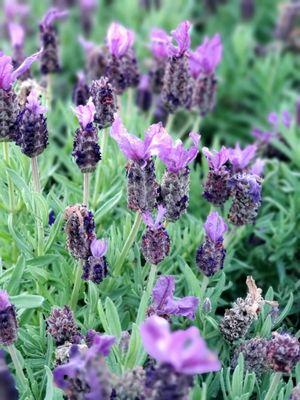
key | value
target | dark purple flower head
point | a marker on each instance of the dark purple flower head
(85, 114)
(51, 16)
(99, 247)
(160, 43)
(205, 59)
(17, 34)
(258, 167)
(4, 300)
(216, 159)
(134, 148)
(215, 227)
(7, 73)
(240, 158)
(181, 35)
(119, 39)
(185, 351)
(164, 302)
(8, 320)
(175, 156)
(34, 105)
(8, 390)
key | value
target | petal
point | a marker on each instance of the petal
(99, 247)
(160, 42)
(182, 37)
(155, 334)
(85, 114)
(119, 39)
(26, 65)
(185, 307)
(52, 15)
(17, 34)
(215, 226)
(163, 289)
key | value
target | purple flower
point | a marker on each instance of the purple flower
(240, 158)
(85, 114)
(12, 9)
(88, 5)
(205, 59)
(17, 34)
(216, 159)
(181, 35)
(33, 104)
(103, 343)
(160, 42)
(7, 73)
(119, 39)
(164, 302)
(53, 15)
(286, 118)
(273, 119)
(263, 136)
(175, 156)
(215, 227)
(99, 247)
(4, 300)
(258, 167)
(134, 148)
(185, 351)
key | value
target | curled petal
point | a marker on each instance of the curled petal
(53, 15)
(155, 333)
(99, 247)
(216, 159)
(26, 65)
(17, 34)
(119, 39)
(181, 35)
(215, 227)
(103, 343)
(85, 114)
(160, 43)
(34, 105)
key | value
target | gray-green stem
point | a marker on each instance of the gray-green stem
(9, 181)
(99, 168)
(76, 287)
(273, 386)
(86, 188)
(19, 370)
(39, 222)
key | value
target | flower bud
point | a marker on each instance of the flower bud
(95, 268)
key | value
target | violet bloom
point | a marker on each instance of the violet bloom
(160, 42)
(95, 59)
(164, 303)
(95, 268)
(87, 10)
(48, 35)
(142, 187)
(176, 180)
(8, 320)
(177, 86)
(240, 158)
(155, 244)
(122, 69)
(86, 374)
(211, 254)
(86, 150)
(13, 9)
(105, 101)
(8, 388)
(216, 189)
(17, 37)
(203, 63)
(81, 92)
(258, 167)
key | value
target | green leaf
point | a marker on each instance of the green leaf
(27, 301)
(113, 319)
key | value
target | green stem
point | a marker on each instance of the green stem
(76, 287)
(273, 386)
(204, 284)
(103, 147)
(170, 122)
(9, 181)
(39, 222)
(151, 279)
(86, 188)
(49, 91)
(35, 175)
(196, 124)
(18, 367)
(127, 245)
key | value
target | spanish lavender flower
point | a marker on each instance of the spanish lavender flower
(283, 352)
(246, 193)
(8, 320)
(240, 158)
(160, 42)
(31, 127)
(164, 303)
(247, 8)
(95, 268)
(203, 63)
(9, 108)
(80, 230)
(8, 389)
(155, 244)
(211, 254)
(95, 59)
(17, 36)
(48, 35)
(178, 354)
(295, 395)
(176, 180)
(122, 69)
(216, 189)
(177, 86)
(103, 341)
(87, 10)
(81, 91)
(86, 150)
(255, 353)
(62, 327)
(143, 190)
(238, 319)
(105, 102)
(86, 375)
(143, 94)
(131, 385)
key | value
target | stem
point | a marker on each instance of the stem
(230, 236)
(49, 91)
(9, 181)
(86, 188)
(196, 124)
(35, 175)
(18, 367)
(76, 288)
(127, 245)
(273, 386)
(204, 284)
(170, 122)
(98, 171)
(151, 279)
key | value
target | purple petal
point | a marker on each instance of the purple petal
(103, 343)
(273, 119)
(6, 72)
(215, 227)
(161, 211)
(160, 42)
(163, 289)
(13, 8)
(17, 34)
(185, 307)
(85, 114)
(53, 15)
(263, 136)
(119, 39)
(286, 118)
(240, 158)
(216, 159)
(88, 5)
(181, 35)
(26, 65)
(99, 247)
(4, 300)
(156, 138)
(147, 218)
(258, 167)
(34, 105)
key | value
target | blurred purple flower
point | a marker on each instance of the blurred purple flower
(215, 227)
(99, 247)
(240, 158)
(263, 136)
(160, 42)
(258, 167)
(4, 300)
(216, 159)
(33, 104)
(205, 59)
(13, 9)
(119, 39)
(164, 302)
(53, 15)
(17, 34)
(286, 118)
(273, 119)
(185, 351)
(88, 5)
(181, 35)
(85, 114)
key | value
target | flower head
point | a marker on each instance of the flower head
(51, 16)
(7, 73)
(164, 302)
(16, 33)
(99, 247)
(205, 59)
(215, 227)
(33, 104)
(216, 159)
(175, 156)
(119, 39)
(240, 158)
(181, 35)
(85, 114)
(185, 351)
(160, 42)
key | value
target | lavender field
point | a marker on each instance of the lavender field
(150, 200)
